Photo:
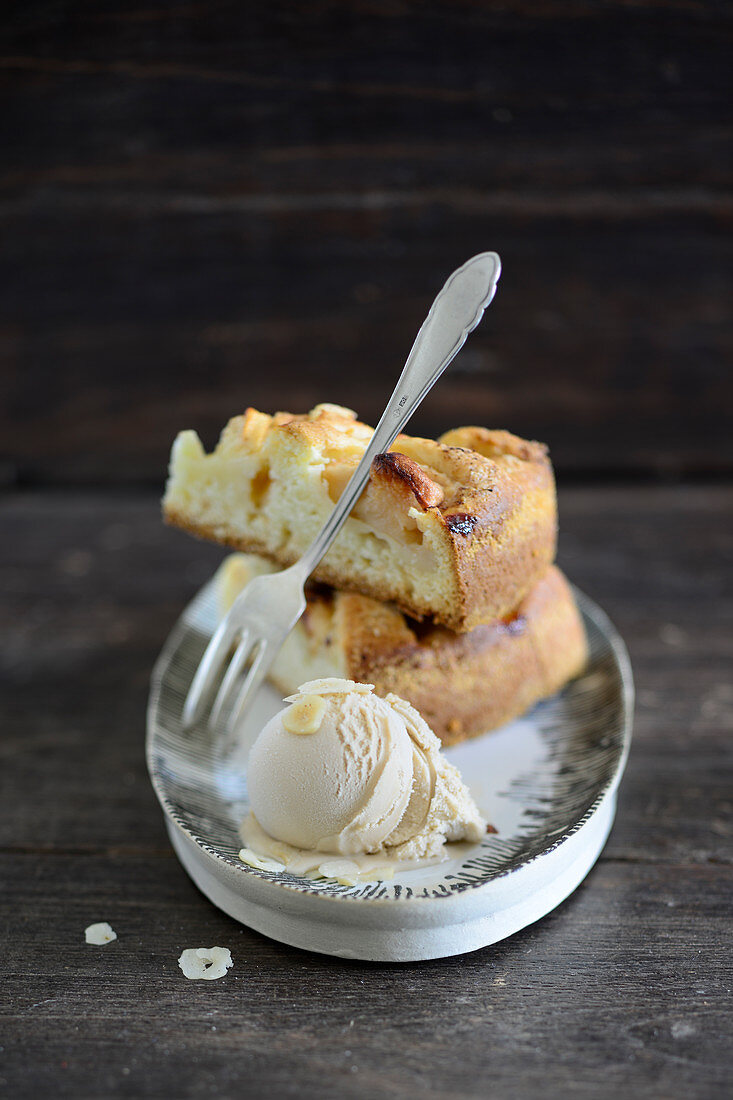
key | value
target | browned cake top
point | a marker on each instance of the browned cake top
(443, 474)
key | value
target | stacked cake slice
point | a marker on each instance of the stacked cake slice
(440, 586)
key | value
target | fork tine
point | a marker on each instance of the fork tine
(253, 679)
(225, 692)
(207, 671)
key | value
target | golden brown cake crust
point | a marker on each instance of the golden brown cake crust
(484, 499)
(462, 684)
(466, 684)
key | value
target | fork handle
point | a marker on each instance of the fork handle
(455, 312)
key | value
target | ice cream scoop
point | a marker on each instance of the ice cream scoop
(344, 772)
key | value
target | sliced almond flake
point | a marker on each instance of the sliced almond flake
(377, 874)
(330, 685)
(345, 871)
(205, 963)
(99, 934)
(260, 863)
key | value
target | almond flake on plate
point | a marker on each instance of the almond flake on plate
(260, 863)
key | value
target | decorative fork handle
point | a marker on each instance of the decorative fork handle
(455, 312)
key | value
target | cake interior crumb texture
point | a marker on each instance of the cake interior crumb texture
(458, 529)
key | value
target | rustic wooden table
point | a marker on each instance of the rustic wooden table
(209, 205)
(623, 990)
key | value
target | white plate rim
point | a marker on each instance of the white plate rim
(589, 609)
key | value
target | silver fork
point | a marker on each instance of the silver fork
(263, 615)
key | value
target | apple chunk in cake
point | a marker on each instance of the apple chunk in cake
(458, 529)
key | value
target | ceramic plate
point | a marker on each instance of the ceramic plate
(546, 782)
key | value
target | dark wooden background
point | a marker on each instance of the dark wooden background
(207, 205)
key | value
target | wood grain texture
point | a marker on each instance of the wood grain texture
(623, 990)
(206, 206)
(562, 1009)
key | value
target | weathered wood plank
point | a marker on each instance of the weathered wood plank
(282, 98)
(624, 989)
(202, 209)
(608, 353)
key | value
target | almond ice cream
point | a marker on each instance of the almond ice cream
(345, 774)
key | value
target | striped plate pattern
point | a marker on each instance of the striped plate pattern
(539, 780)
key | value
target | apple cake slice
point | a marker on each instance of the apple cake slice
(459, 529)
(462, 684)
